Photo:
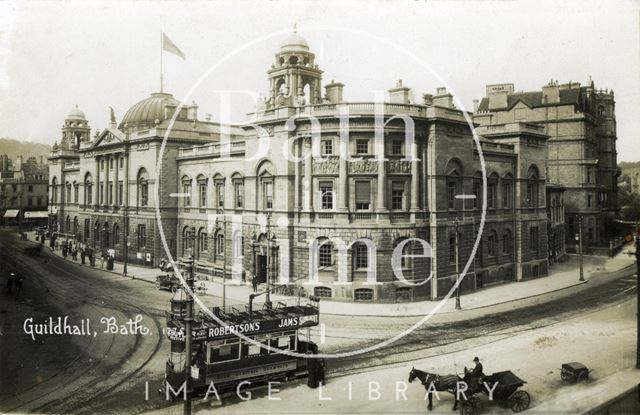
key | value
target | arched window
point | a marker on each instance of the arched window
(507, 191)
(87, 229)
(88, 189)
(220, 243)
(266, 185)
(186, 191)
(76, 187)
(203, 242)
(67, 198)
(507, 242)
(202, 190)
(238, 190)
(532, 186)
(360, 255)
(143, 187)
(454, 173)
(492, 191)
(116, 234)
(325, 253)
(187, 240)
(492, 240)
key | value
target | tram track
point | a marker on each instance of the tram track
(59, 290)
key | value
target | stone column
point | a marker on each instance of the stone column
(308, 180)
(106, 181)
(116, 183)
(96, 184)
(381, 204)
(415, 177)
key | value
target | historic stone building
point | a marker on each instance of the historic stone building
(334, 221)
(314, 190)
(581, 123)
(23, 188)
(103, 188)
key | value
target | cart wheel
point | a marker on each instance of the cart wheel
(566, 376)
(174, 288)
(520, 401)
(583, 376)
(468, 407)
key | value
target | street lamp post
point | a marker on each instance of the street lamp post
(580, 247)
(125, 217)
(224, 257)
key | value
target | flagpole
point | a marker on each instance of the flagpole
(161, 76)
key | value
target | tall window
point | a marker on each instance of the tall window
(324, 254)
(363, 195)
(532, 187)
(267, 194)
(452, 249)
(477, 192)
(142, 236)
(220, 243)
(76, 189)
(88, 190)
(186, 192)
(120, 192)
(101, 195)
(326, 195)
(143, 188)
(68, 199)
(110, 193)
(116, 234)
(203, 242)
(361, 255)
(202, 190)
(396, 147)
(491, 244)
(507, 192)
(362, 146)
(239, 193)
(492, 192)
(507, 241)
(54, 190)
(533, 239)
(397, 195)
(327, 147)
(220, 194)
(87, 229)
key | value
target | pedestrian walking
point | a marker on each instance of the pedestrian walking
(254, 282)
(74, 253)
(82, 256)
(10, 281)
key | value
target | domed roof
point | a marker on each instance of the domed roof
(150, 109)
(295, 42)
(76, 114)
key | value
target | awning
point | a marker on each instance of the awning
(40, 214)
(11, 213)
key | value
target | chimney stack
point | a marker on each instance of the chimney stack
(443, 98)
(476, 104)
(551, 93)
(399, 94)
(334, 92)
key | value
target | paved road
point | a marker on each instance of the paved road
(108, 373)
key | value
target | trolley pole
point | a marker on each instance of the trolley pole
(580, 247)
(188, 344)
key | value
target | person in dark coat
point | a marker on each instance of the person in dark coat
(10, 281)
(254, 282)
(82, 256)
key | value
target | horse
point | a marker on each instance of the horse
(444, 383)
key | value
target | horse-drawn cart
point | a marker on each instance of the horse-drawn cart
(505, 387)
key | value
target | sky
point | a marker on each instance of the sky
(58, 54)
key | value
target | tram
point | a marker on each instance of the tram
(221, 357)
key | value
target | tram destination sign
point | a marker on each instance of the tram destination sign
(211, 331)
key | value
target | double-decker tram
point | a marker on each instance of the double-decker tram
(220, 356)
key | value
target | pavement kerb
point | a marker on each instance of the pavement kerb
(393, 314)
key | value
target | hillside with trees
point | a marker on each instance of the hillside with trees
(14, 148)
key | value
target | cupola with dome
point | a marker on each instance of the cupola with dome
(158, 107)
(75, 130)
(294, 78)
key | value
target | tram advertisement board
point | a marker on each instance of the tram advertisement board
(211, 331)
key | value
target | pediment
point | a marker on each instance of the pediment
(109, 136)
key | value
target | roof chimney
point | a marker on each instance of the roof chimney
(399, 94)
(443, 98)
(551, 93)
(476, 104)
(334, 92)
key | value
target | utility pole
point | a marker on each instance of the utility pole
(126, 240)
(580, 246)
(268, 297)
(188, 345)
(458, 307)
(638, 295)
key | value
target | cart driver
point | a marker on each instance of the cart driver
(477, 370)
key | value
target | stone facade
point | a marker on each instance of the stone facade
(580, 121)
(23, 187)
